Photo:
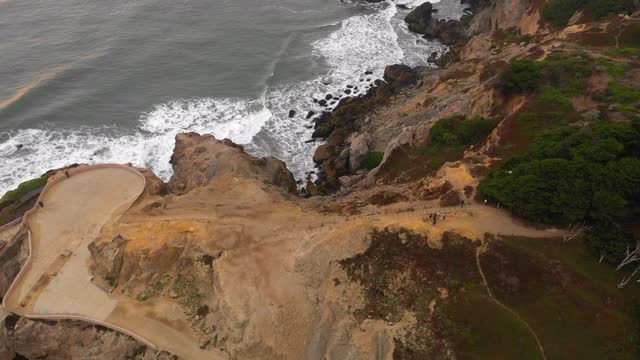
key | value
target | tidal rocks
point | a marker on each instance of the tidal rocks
(292, 113)
(400, 75)
(421, 21)
(310, 114)
(346, 118)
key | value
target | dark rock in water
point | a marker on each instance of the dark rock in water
(420, 18)
(310, 140)
(310, 114)
(349, 86)
(322, 102)
(433, 57)
(315, 101)
(332, 103)
(369, 79)
(400, 75)
(347, 91)
(377, 82)
(402, 6)
(322, 132)
(308, 127)
(368, 72)
(328, 97)
(292, 113)
(421, 21)
(19, 146)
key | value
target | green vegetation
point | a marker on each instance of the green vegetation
(613, 68)
(400, 273)
(569, 299)
(567, 72)
(549, 109)
(628, 98)
(510, 36)
(459, 131)
(23, 189)
(621, 52)
(558, 12)
(562, 71)
(571, 175)
(374, 158)
(450, 137)
(523, 75)
(630, 36)
(484, 330)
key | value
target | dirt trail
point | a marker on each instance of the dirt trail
(486, 285)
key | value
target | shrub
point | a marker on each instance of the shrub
(567, 72)
(374, 158)
(572, 175)
(559, 12)
(630, 36)
(459, 131)
(523, 75)
(624, 95)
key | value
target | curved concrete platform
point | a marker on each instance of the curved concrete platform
(55, 282)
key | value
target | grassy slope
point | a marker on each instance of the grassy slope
(23, 189)
(567, 297)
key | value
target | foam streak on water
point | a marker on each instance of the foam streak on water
(361, 43)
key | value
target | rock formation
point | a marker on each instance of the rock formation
(197, 159)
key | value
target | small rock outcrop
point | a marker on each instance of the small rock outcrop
(67, 339)
(198, 159)
(108, 259)
(358, 150)
(419, 20)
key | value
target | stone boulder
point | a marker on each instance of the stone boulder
(449, 32)
(419, 20)
(107, 259)
(198, 159)
(400, 75)
(359, 149)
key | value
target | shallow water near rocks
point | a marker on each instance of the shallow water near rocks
(94, 81)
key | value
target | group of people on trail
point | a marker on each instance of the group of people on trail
(433, 217)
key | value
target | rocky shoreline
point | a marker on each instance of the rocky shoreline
(231, 252)
(340, 159)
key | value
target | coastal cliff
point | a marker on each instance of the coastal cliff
(362, 264)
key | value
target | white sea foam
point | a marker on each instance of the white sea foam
(361, 43)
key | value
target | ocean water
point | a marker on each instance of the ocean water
(89, 81)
